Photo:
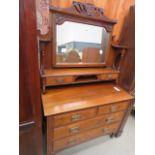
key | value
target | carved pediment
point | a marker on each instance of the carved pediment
(84, 9)
(87, 9)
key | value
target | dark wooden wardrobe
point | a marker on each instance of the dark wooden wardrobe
(30, 142)
(127, 70)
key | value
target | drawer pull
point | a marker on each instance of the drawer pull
(74, 130)
(113, 108)
(60, 80)
(109, 76)
(72, 142)
(76, 117)
(106, 130)
(109, 120)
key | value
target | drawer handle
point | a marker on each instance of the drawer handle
(109, 76)
(106, 130)
(113, 108)
(72, 142)
(109, 120)
(76, 117)
(60, 80)
(74, 130)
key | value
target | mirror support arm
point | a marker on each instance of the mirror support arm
(120, 50)
(42, 71)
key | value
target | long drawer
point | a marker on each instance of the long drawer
(78, 138)
(72, 117)
(113, 108)
(87, 124)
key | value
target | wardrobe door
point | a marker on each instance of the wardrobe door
(30, 136)
(127, 70)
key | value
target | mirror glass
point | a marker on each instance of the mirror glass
(80, 43)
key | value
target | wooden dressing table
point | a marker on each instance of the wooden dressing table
(82, 100)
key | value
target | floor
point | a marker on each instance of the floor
(124, 145)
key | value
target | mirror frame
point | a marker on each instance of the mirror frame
(80, 13)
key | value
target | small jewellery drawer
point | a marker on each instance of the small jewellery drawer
(58, 80)
(72, 117)
(113, 108)
(78, 138)
(86, 125)
(108, 76)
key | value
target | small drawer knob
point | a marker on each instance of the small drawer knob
(75, 117)
(74, 130)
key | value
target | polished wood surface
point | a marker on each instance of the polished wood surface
(66, 99)
(58, 80)
(72, 117)
(30, 134)
(82, 126)
(73, 111)
(79, 138)
(78, 71)
(112, 108)
(52, 77)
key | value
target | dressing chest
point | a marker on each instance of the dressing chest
(81, 97)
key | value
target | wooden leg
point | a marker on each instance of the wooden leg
(128, 111)
(118, 134)
(112, 135)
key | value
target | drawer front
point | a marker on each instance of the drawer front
(79, 127)
(108, 76)
(76, 139)
(58, 80)
(112, 108)
(72, 117)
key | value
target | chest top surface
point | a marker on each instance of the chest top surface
(70, 98)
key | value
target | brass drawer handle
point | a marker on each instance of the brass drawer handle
(74, 130)
(109, 76)
(109, 120)
(75, 117)
(60, 80)
(113, 108)
(72, 142)
(106, 130)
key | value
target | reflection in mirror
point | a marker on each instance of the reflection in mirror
(80, 43)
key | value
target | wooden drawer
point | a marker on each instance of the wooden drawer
(79, 127)
(58, 80)
(108, 76)
(76, 139)
(112, 108)
(72, 117)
